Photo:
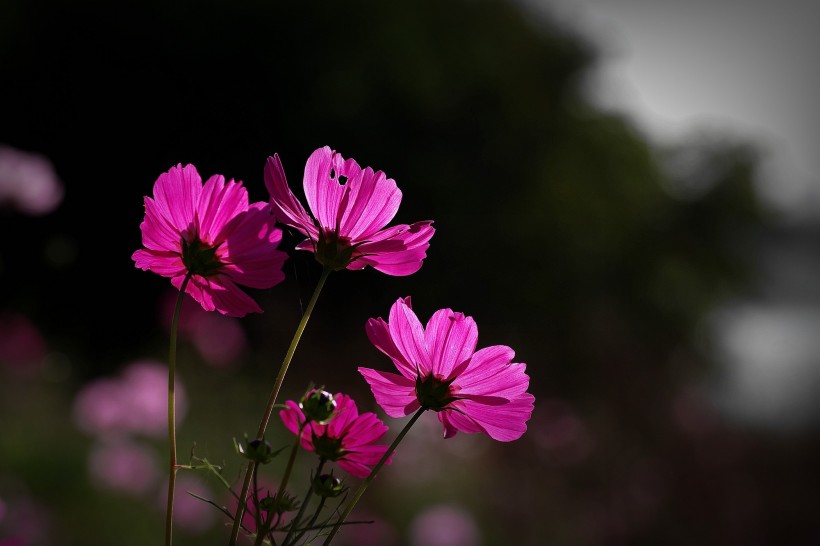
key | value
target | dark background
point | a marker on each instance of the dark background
(556, 231)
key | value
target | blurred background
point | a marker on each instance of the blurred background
(625, 193)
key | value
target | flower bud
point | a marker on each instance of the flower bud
(280, 505)
(318, 405)
(257, 450)
(328, 486)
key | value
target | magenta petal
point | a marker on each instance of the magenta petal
(176, 193)
(292, 417)
(324, 193)
(367, 429)
(361, 466)
(345, 414)
(373, 201)
(408, 335)
(395, 394)
(219, 204)
(504, 422)
(221, 294)
(454, 421)
(286, 207)
(398, 251)
(167, 264)
(379, 335)
(491, 373)
(451, 339)
(157, 231)
(248, 249)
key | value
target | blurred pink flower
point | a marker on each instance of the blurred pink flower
(135, 402)
(28, 182)
(121, 465)
(266, 489)
(347, 438)
(444, 525)
(560, 435)
(212, 233)
(24, 519)
(472, 391)
(191, 515)
(219, 339)
(352, 206)
(22, 346)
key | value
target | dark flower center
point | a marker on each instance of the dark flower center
(333, 250)
(329, 449)
(434, 392)
(199, 259)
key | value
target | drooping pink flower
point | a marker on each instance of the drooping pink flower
(351, 207)
(347, 437)
(212, 233)
(472, 391)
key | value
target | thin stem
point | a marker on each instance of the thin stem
(304, 505)
(371, 476)
(312, 520)
(172, 428)
(263, 425)
(291, 460)
(260, 534)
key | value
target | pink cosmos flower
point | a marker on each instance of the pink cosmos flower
(213, 234)
(472, 391)
(347, 437)
(352, 206)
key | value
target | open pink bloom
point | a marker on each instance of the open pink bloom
(347, 438)
(472, 391)
(212, 233)
(352, 206)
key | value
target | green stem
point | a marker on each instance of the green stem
(260, 531)
(371, 476)
(291, 459)
(263, 425)
(172, 428)
(312, 520)
(304, 505)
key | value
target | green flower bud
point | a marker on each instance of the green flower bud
(328, 486)
(280, 505)
(318, 405)
(257, 450)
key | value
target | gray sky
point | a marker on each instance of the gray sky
(747, 67)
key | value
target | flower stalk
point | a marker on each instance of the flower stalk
(363, 486)
(263, 425)
(172, 432)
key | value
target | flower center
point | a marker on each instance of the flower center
(333, 250)
(328, 448)
(199, 259)
(434, 392)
